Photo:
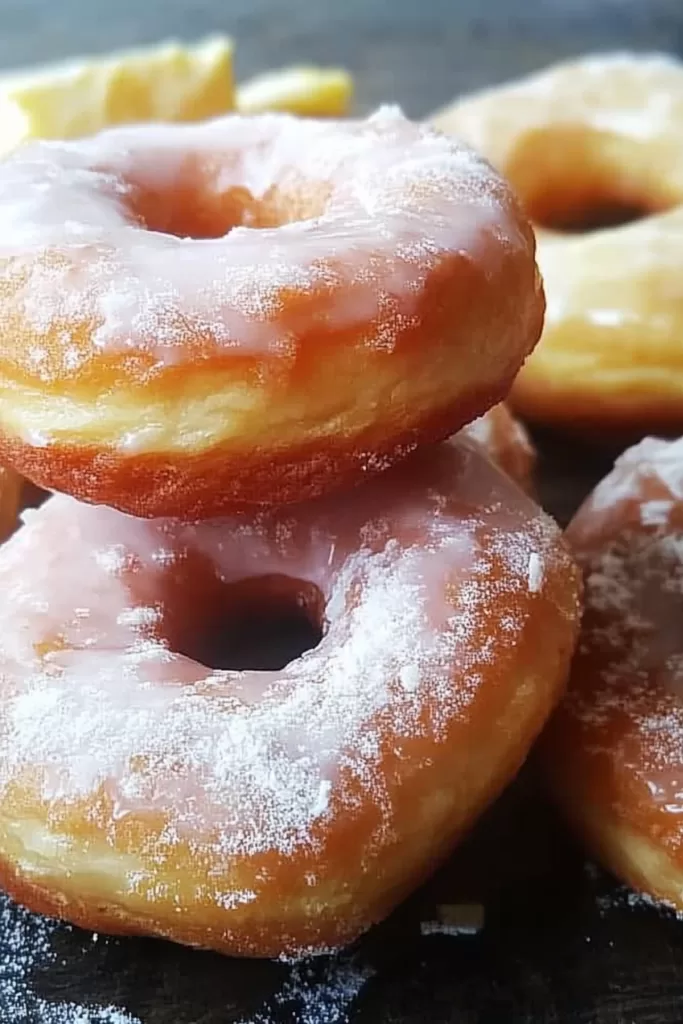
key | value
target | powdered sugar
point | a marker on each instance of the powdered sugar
(634, 598)
(316, 994)
(624, 897)
(242, 766)
(483, 430)
(112, 559)
(139, 617)
(27, 945)
(74, 1013)
(505, 441)
(230, 900)
(666, 460)
(410, 676)
(535, 572)
(629, 541)
(455, 920)
(651, 474)
(655, 512)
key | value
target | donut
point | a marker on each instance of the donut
(613, 752)
(199, 319)
(594, 150)
(506, 442)
(157, 778)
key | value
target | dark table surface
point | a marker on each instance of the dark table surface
(560, 943)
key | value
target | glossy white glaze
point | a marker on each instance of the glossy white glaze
(371, 208)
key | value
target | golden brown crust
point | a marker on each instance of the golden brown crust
(156, 485)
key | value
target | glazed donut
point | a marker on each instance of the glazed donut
(590, 145)
(613, 753)
(507, 443)
(143, 792)
(203, 318)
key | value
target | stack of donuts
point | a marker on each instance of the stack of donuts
(237, 353)
(258, 365)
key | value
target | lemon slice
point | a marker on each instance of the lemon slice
(167, 82)
(305, 90)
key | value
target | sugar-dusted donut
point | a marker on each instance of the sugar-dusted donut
(613, 753)
(594, 149)
(270, 812)
(506, 441)
(252, 310)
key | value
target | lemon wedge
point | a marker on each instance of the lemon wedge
(305, 90)
(166, 82)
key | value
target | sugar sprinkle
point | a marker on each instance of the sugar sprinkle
(316, 992)
(27, 948)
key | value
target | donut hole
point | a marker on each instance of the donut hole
(201, 206)
(586, 213)
(262, 624)
(572, 180)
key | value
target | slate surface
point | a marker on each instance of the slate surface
(560, 943)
